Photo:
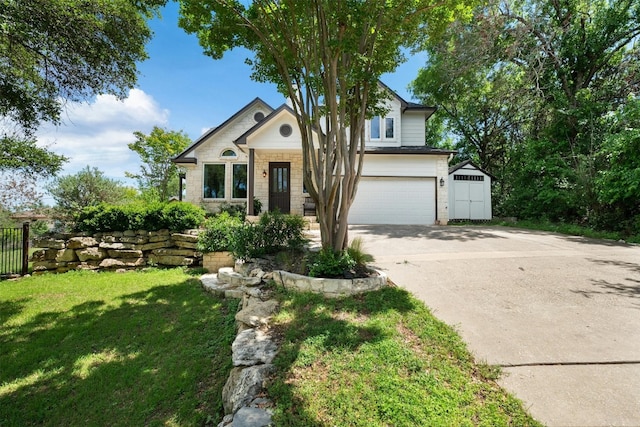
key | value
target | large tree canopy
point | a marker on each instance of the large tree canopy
(558, 73)
(53, 51)
(327, 57)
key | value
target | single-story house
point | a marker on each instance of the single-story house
(469, 192)
(256, 153)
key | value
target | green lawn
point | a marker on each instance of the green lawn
(138, 348)
(152, 348)
(381, 360)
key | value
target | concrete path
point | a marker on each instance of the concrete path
(561, 314)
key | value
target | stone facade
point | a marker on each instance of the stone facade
(261, 185)
(116, 250)
(442, 196)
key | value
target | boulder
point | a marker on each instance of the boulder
(243, 385)
(122, 262)
(124, 253)
(257, 313)
(49, 242)
(248, 416)
(253, 347)
(66, 255)
(176, 252)
(81, 242)
(171, 260)
(91, 254)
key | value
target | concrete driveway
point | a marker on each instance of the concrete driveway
(561, 314)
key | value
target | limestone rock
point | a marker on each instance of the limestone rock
(243, 385)
(81, 242)
(182, 237)
(176, 252)
(124, 253)
(253, 347)
(156, 245)
(184, 244)
(252, 417)
(91, 254)
(66, 255)
(237, 279)
(136, 240)
(48, 242)
(171, 260)
(257, 313)
(122, 262)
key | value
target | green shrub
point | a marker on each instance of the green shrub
(357, 254)
(329, 263)
(182, 216)
(272, 233)
(176, 216)
(239, 211)
(218, 232)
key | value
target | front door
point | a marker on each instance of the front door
(279, 186)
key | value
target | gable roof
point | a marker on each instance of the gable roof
(460, 165)
(406, 105)
(242, 139)
(182, 157)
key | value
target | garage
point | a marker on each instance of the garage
(469, 192)
(390, 200)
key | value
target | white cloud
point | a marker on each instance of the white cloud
(97, 133)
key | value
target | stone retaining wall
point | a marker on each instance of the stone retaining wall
(115, 250)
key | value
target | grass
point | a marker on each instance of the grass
(152, 348)
(380, 360)
(138, 348)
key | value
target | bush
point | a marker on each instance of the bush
(218, 232)
(356, 253)
(329, 263)
(176, 216)
(273, 232)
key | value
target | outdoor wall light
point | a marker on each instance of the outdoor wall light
(441, 182)
(264, 174)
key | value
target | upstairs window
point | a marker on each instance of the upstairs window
(382, 128)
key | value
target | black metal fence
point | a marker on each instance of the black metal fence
(14, 251)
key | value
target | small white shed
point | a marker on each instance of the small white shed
(469, 192)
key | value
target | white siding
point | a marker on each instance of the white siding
(413, 129)
(399, 165)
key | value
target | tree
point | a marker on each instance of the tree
(156, 150)
(326, 56)
(88, 187)
(53, 51)
(559, 69)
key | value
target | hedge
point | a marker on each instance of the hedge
(175, 216)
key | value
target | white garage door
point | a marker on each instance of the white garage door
(394, 201)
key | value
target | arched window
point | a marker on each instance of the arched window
(229, 154)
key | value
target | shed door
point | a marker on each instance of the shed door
(279, 187)
(469, 196)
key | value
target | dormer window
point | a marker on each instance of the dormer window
(382, 128)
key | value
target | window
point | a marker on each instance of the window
(388, 128)
(286, 130)
(239, 181)
(375, 127)
(229, 153)
(468, 177)
(214, 181)
(382, 127)
(258, 116)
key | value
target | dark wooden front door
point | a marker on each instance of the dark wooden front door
(279, 187)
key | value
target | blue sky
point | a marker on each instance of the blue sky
(179, 88)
